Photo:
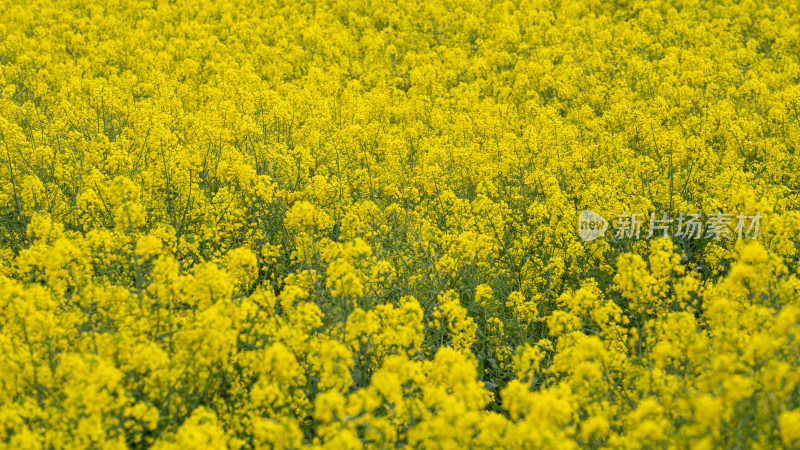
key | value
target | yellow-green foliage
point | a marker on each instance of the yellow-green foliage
(348, 223)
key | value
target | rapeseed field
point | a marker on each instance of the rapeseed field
(399, 224)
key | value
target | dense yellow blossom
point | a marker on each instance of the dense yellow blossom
(354, 224)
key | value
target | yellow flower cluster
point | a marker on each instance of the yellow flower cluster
(351, 223)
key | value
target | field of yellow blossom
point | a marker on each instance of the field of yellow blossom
(358, 224)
